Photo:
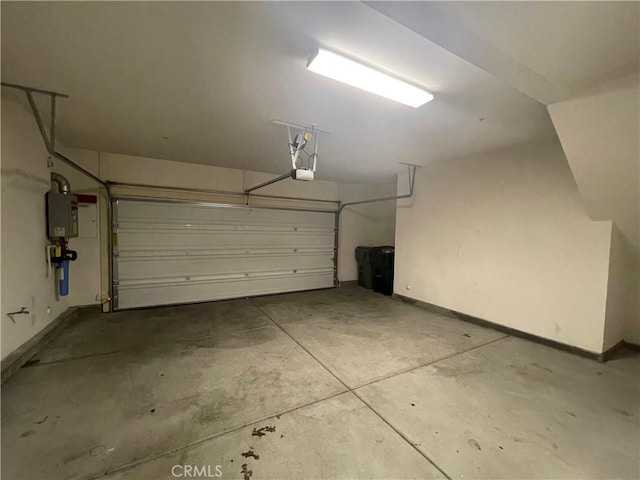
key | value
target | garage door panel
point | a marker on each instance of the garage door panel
(214, 250)
(130, 239)
(132, 296)
(149, 267)
(220, 227)
(166, 212)
(168, 253)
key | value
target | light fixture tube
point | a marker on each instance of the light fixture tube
(358, 75)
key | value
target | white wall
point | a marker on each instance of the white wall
(622, 294)
(504, 237)
(153, 171)
(600, 134)
(25, 180)
(368, 225)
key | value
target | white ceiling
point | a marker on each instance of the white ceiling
(549, 50)
(211, 75)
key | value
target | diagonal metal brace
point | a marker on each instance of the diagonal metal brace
(49, 138)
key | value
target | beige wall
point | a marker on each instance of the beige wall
(504, 237)
(25, 180)
(622, 294)
(368, 225)
(600, 135)
(153, 171)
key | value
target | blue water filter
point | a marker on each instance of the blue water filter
(63, 278)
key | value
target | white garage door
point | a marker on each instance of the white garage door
(168, 252)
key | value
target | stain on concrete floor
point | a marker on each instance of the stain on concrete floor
(132, 387)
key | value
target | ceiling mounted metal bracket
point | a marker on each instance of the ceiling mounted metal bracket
(49, 138)
(299, 136)
(411, 172)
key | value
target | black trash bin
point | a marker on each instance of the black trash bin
(382, 264)
(365, 272)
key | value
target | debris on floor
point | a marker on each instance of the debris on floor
(42, 421)
(206, 416)
(259, 432)
(250, 453)
(247, 473)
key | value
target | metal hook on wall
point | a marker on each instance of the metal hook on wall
(22, 311)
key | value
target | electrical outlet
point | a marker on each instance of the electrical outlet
(48, 310)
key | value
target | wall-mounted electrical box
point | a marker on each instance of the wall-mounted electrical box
(62, 215)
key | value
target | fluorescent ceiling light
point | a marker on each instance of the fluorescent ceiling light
(353, 73)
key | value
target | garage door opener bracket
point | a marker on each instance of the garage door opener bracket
(301, 169)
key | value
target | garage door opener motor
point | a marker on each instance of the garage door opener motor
(303, 163)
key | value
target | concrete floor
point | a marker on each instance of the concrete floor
(339, 383)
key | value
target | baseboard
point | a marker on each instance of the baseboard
(601, 357)
(349, 283)
(611, 352)
(631, 346)
(16, 359)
